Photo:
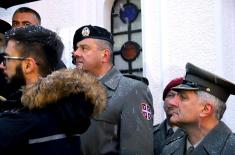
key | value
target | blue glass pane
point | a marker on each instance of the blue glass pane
(128, 13)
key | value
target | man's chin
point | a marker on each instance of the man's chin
(174, 118)
(79, 66)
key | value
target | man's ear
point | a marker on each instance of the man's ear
(29, 65)
(207, 109)
(106, 55)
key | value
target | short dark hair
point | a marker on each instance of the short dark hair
(44, 45)
(28, 10)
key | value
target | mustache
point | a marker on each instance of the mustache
(172, 110)
(76, 60)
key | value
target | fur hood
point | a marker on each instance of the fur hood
(61, 84)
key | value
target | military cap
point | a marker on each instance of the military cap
(170, 85)
(4, 26)
(89, 31)
(199, 79)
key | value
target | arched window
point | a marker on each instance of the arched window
(126, 30)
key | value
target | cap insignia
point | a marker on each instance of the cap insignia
(85, 32)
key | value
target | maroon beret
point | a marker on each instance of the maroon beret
(171, 84)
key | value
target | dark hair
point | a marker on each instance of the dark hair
(28, 10)
(42, 44)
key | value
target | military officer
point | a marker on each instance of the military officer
(202, 104)
(165, 131)
(126, 126)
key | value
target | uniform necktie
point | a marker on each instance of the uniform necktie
(190, 150)
(169, 132)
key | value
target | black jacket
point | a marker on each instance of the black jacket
(55, 110)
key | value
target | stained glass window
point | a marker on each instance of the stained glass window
(126, 30)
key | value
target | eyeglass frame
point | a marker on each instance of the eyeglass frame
(5, 57)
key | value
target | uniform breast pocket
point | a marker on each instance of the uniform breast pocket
(106, 128)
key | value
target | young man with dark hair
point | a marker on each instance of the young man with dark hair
(25, 16)
(55, 106)
(166, 131)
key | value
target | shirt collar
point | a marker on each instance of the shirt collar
(188, 144)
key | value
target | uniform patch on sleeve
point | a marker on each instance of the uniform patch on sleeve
(146, 111)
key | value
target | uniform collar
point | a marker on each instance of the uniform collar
(168, 127)
(111, 78)
(221, 132)
(188, 144)
(209, 144)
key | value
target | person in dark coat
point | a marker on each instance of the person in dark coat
(164, 131)
(126, 126)
(5, 89)
(56, 106)
(22, 17)
(202, 104)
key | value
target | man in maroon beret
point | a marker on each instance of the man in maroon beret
(164, 131)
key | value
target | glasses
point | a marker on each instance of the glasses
(6, 58)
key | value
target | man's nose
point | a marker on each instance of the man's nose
(2, 66)
(175, 100)
(77, 52)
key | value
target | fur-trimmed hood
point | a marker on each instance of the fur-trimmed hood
(64, 83)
